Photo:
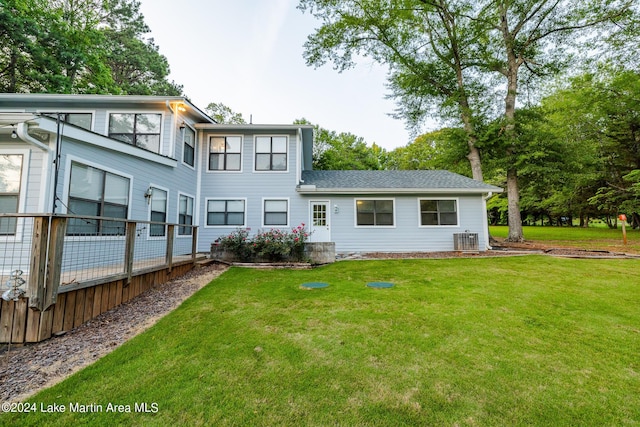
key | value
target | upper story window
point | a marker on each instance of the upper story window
(225, 153)
(188, 151)
(94, 192)
(438, 212)
(82, 120)
(271, 153)
(10, 178)
(374, 212)
(141, 130)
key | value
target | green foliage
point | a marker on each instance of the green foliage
(223, 114)
(271, 245)
(82, 46)
(533, 341)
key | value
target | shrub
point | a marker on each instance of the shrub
(271, 245)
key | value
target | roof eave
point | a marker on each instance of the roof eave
(317, 190)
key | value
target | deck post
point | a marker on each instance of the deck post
(170, 237)
(129, 250)
(194, 243)
(38, 266)
(54, 262)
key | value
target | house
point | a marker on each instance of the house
(155, 158)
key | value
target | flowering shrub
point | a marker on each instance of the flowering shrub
(272, 245)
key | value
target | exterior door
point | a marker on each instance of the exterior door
(320, 226)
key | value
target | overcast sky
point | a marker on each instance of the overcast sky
(247, 54)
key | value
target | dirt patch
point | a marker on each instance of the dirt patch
(25, 370)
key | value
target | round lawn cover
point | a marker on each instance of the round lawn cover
(314, 285)
(380, 285)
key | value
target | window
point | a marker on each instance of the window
(374, 212)
(188, 153)
(10, 178)
(94, 192)
(158, 212)
(225, 212)
(185, 215)
(141, 130)
(276, 212)
(438, 212)
(271, 153)
(225, 153)
(82, 120)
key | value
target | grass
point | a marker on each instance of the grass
(504, 341)
(585, 238)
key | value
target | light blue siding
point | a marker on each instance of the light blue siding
(406, 234)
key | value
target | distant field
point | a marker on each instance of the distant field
(584, 238)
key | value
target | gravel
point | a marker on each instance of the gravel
(30, 368)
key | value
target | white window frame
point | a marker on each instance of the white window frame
(72, 111)
(208, 152)
(255, 153)
(206, 211)
(195, 146)
(193, 214)
(158, 187)
(456, 199)
(161, 150)
(355, 212)
(22, 197)
(275, 199)
(65, 194)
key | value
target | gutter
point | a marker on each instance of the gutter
(22, 129)
(312, 189)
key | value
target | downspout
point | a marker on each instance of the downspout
(485, 218)
(46, 183)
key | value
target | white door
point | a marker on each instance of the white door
(319, 227)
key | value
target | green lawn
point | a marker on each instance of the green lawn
(585, 238)
(496, 341)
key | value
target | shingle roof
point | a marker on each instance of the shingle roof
(391, 180)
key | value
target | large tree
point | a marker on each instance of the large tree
(79, 46)
(462, 55)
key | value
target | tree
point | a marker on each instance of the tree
(451, 52)
(223, 114)
(79, 46)
(344, 151)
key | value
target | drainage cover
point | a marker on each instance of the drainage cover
(314, 285)
(380, 285)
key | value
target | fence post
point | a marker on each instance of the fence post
(194, 243)
(54, 263)
(38, 267)
(170, 236)
(129, 250)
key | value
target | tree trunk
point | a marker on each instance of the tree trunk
(513, 197)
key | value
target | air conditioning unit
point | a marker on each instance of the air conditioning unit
(466, 242)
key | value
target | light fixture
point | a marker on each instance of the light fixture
(181, 108)
(14, 134)
(183, 125)
(148, 194)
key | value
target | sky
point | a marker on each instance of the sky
(247, 55)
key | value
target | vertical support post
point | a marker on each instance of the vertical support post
(129, 250)
(54, 262)
(170, 238)
(38, 266)
(194, 243)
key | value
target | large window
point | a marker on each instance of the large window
(158, 212)
(188, 153)
(82, 120)
(271, 153)
(276, 212)
(371, 212)
(438, 212)
(225, 212)
(185, 215)
(10, 178)
(94, 192)
(225, 153)
(141, 130)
